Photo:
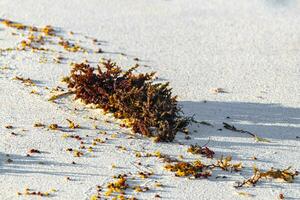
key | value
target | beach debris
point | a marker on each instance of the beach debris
(12, 24)
(39, 124)
(117, 186)
(285, 175)
(196, 149)
(56, 96)
(206, 123)
(8, 126)
(34, 92)
(48, 30)
(225, 164)
(152, 111)
(95, 197)
(281, 196)
(218, 90)
(32, 151)
(140, 188)
(68, 46)
(65, 79)
(14, 134)
(53, 126)
(72, 125)
(187, 137)
(233, 128)
(143, 105)
(30, 192)
(97, 140)
(58, 59)
(113, 166)
(164, 157)
(25, 81)
(253, 158)
(144, 175)
(197, 169)
(77, 153)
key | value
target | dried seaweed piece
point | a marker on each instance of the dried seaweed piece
(281, 196)
(218, 90)
(286, 175)
(34, 151)
(25, 81)
(54, 97)
(95, 197)
(53, 126)
(72, 125)
(12, 24)
(195, 169)
(48, 30)
(165, 158)
(140, 188)
(69, 46)
(226, 165)
(196, 149)
(206, 123)
(8, 126)
(38, 124)
(118, 186)
(27, 191)
(148, 107)
(233, 128)
(77, 153)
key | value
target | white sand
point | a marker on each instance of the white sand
(249, 48)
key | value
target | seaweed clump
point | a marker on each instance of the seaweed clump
(147, 107)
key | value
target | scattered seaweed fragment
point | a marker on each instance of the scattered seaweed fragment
(118, 186)
(198, 169)
(31, 151)
(72, 125)
(12, 24)
(69, 46)
(225, 164)
(196, 149)
(233, 128)
(25, 81)
(147, 107)
(53, 127)
(164, 157)
(57, 96)
(39, 124)
(206, 123)
(195, 169)
(30, 192)
(122, 186)
(8, 126)
(48, 30)
(218, 90)
(286, 175)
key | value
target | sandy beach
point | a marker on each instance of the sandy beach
(232, 61)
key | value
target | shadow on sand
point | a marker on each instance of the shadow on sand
(267, 120)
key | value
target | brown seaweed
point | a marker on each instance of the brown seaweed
(147, 107)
